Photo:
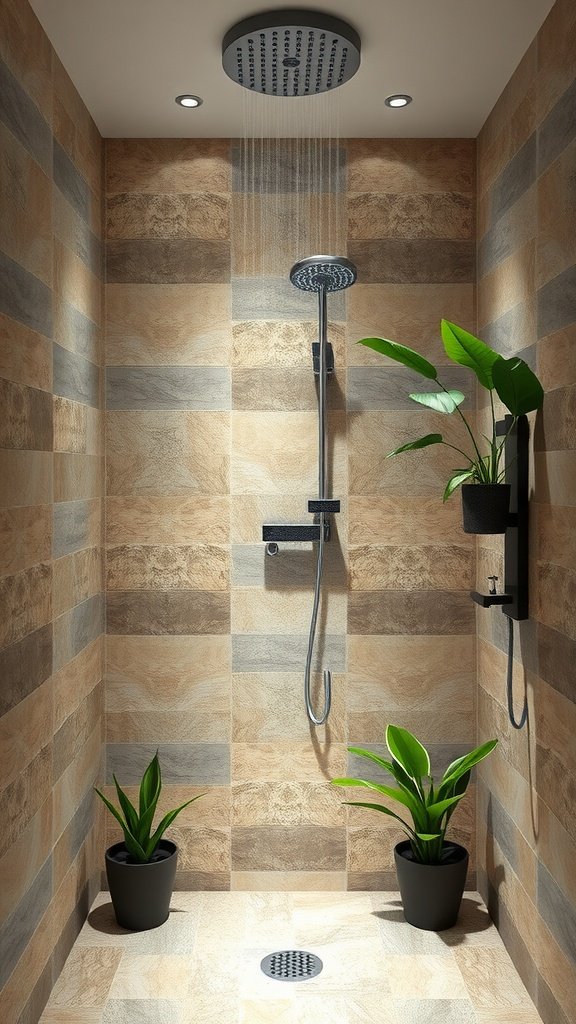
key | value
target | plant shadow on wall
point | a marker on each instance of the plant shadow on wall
(431, 869)
(482, 472)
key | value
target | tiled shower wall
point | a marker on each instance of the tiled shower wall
(527, 304)
(211, 431)
(51, 622)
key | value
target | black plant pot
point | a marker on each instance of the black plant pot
(485, 507)
(431, 893)
(141, 893)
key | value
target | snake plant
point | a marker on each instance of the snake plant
(137, 824)
(429, 804)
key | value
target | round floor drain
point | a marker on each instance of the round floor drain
(291, 965)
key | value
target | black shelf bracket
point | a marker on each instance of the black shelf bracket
(514, 600)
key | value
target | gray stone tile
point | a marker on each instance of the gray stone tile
(22, 117)
(24, 666)
(143, 1011)
(515, 179)
(77, 332)
(294, 568)
(24, 297)
(286, 653)
(414, 261)
(294, 848)
(18, 928)
(274, 298)
(514, 228)
(81, 823)
(75, 629)
(193, 764)
(71, 523)
(75, 377)
(286, 166)
(167, 387)
(167, 261)
(500, 825)
(547, 1005)
(76, 730)
(557, 303)
(388, 387)
(71, 183)
(513, 331)
(433, 612)
(71, 229)
(558, 911)
(558, 128)
(38, 997)
(441, 755)
(185, 612)
(432, 1011)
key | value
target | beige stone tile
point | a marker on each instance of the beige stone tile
(410, 567)
(157, 215)
(268, 761)
(268, 706)
(75, 129)
(277, 343)
(168, 520)
(77, 476)
(511, 1015)
(490, 978)
(74, 782)
(275, 453)
(255, 610)
(25, 538)
(427, 681)
(511, 282)
(212, 810)
(27, 51)
(86, 979)
(555, 477)
(71, 1015)
(153, 977)
(25, 356)
(75, 283)
(286, 803)
(26, 478)
(24, 858)
(167, 727)
(407, 165)
(265, 223)
(556, 42)
(151, 674)
(273, 1011)
(407, 313)
(25, 602)
(75, 680)
(24, 731)
(168, 324)
(557, 358)
(424, 976)
(288, 881)
(372, 435)
(556, 535)
(399, 519)
(210, 1008)
(190, 453)
(556, 218)
(249, 511)
(167, 165)
(324, 918)
(418, 215)
(76, 577)
(167, 567)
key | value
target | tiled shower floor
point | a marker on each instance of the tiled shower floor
(203, 965)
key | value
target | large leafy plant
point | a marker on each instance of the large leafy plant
(430, 805)
(137, 824)
(516, 385)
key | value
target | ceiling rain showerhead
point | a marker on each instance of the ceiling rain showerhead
(291, 52)
(331, 273)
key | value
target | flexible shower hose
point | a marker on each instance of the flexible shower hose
(509, 680)
(327, 675)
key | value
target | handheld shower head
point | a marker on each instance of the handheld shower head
(328, 273)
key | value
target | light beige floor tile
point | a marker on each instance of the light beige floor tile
(425, 976)
(491, 978)
(153, 977)
(348, 966)
(86, 979)
(273, 1011)
(510, 1015)
(176, 935)
(71, 1015)
(210, 1008)
(434, 1011)
(343, 916)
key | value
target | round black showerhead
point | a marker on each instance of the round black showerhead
(331, 273)
(291, 52)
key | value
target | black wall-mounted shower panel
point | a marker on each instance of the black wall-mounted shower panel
(514, 600)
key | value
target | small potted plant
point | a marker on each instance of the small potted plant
(431, 869)
(485, 495)
(141, 870)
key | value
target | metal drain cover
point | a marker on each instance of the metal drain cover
(291, 965)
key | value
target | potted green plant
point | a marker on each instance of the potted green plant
(141, 870)
(431, 869)
(485, 495)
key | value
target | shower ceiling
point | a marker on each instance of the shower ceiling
(130, 58)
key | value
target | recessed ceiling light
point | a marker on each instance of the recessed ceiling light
(398, 100)
(187, 100)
